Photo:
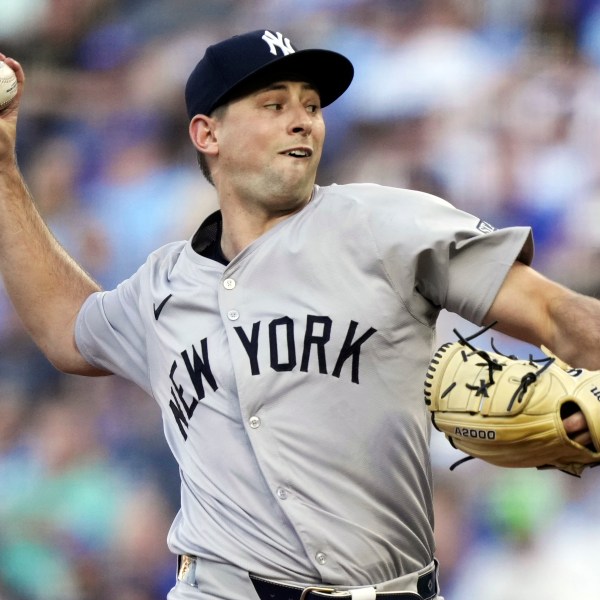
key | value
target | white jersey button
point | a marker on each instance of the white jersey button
(321, 557)
(229, 284)
(233, 315)
(254, 422)
(282, 493)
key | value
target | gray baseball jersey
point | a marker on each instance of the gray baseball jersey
(290, 381)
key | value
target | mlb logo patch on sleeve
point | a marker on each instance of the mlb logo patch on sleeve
(485, 227)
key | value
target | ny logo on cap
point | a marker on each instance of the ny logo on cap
(276, 40)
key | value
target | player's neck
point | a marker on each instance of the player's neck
(245, 223)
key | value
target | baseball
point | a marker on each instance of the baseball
(8, 85)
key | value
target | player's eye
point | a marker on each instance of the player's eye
(274, 106)
(313, 108)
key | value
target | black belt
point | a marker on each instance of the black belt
(272, 590)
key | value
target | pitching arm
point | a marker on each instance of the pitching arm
(46, 286)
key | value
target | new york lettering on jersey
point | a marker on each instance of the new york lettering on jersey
(193, 363)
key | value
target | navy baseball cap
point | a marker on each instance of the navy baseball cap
(230, 68)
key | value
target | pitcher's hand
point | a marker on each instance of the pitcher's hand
(577, 429)
(9, 114)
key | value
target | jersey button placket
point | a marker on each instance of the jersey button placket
(229, 284)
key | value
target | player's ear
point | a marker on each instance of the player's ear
(202, 134)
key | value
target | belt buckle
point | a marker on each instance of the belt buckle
(186, 569)
(307, 590)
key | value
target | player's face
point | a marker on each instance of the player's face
(270, 145)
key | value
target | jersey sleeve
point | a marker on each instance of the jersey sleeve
(449, 258)
(109, 332)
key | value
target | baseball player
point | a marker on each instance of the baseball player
(286, 342)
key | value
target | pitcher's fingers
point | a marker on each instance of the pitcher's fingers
(583, 438)
(15, 65)
(575, 423)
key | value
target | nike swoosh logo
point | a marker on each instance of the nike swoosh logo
(158, 309)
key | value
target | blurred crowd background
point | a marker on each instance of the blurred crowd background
(491, 104)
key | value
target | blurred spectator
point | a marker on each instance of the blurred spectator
(141, 200)
(139, 567)
(62, 509)
(522, 554)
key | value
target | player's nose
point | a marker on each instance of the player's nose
(300, 121)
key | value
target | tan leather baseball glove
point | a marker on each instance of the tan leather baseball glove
(508, 411)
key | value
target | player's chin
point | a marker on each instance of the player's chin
(291, 192)
(306, 167)
(295, 171)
